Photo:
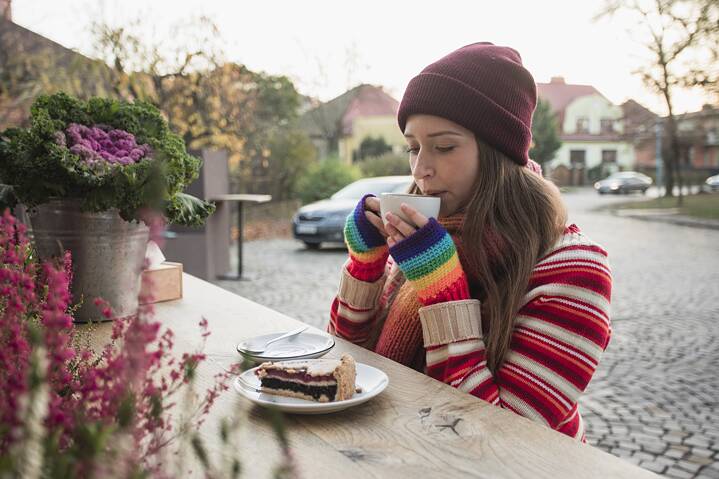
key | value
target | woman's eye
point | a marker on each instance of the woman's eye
(444, 149)
(412, 150)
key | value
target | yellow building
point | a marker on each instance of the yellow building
(340, 125)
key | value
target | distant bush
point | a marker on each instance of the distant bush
(388, 164)
(372, 147)
(324, 178)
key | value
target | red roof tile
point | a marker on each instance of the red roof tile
(560, 94)
(369, 101)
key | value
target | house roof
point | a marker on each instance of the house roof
(341, 112)
(638, 120)
(369, 101)
(560, 94)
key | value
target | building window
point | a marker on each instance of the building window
(577, 158)
(582, 124)
(609, 157)
(606, 125)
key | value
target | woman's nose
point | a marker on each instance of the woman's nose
(422, 166)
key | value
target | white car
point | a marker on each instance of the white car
(713, 183)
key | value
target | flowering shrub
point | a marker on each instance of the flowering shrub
(107, 153)
(68, 411)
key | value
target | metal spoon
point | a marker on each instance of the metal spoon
(284, 336)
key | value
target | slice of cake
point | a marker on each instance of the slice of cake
(321, 380)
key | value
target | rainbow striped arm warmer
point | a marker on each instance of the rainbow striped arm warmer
(367, 247)
(430, 263)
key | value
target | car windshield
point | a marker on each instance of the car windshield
(360, 188)
(625, 174)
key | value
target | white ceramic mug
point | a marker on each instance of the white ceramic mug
(391, 202)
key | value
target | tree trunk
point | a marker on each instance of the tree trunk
(673, 157)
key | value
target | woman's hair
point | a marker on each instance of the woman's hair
(526, 216)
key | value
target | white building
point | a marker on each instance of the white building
(591, 130)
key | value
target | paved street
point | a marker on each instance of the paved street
(654, 399)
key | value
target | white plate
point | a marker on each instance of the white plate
(372, 381)
(303, 346)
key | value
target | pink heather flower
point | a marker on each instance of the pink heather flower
(88, 388)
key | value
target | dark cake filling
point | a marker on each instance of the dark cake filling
(315, 391)
(300, 375)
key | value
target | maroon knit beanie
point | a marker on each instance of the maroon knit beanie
(482, 87)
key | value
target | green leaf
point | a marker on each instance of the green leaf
(188, 210)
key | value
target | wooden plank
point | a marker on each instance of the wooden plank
(417, 427)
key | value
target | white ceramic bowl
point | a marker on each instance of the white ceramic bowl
(391, 202)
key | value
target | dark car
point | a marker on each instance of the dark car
(713, 183)
(624, 182)
(324, 220)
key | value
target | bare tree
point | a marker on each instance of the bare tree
(675, 32)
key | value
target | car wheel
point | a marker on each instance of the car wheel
(644, 191)
(312, 246)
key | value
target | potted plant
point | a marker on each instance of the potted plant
(91, 173)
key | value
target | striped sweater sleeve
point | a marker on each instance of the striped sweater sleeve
(558, 337)
(355, 308)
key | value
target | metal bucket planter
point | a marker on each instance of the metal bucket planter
(107, 254)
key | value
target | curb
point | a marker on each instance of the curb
(670, 218)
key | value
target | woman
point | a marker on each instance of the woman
(496, 297)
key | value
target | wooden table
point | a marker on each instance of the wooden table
(240, 199)
(417, 428)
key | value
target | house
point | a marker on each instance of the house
(699, 138)
(591, 130)
(698, 134)
(340, 125)
(640, 127)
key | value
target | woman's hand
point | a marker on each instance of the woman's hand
(366, 240)
(427, 256)
(372, 213)
(397, 229)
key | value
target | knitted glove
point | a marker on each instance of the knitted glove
(367, 247)
(429, 261)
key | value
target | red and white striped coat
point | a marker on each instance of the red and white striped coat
(560, 332)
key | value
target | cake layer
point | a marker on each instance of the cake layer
(300, 376)
(316, 393)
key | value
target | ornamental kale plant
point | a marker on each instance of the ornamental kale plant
(105, 153)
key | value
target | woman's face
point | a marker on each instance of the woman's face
(444, 160)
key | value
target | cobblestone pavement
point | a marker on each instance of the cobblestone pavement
(653, 400)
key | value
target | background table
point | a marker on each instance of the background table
(240, 199)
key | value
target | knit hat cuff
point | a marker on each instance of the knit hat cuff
(436, 94)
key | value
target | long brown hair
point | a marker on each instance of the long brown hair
(526, 216)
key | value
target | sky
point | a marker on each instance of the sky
(326, 47)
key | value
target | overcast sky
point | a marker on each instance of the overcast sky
(328, 46)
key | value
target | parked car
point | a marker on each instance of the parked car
(713, 183)
(623, 182)
(323, 221)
